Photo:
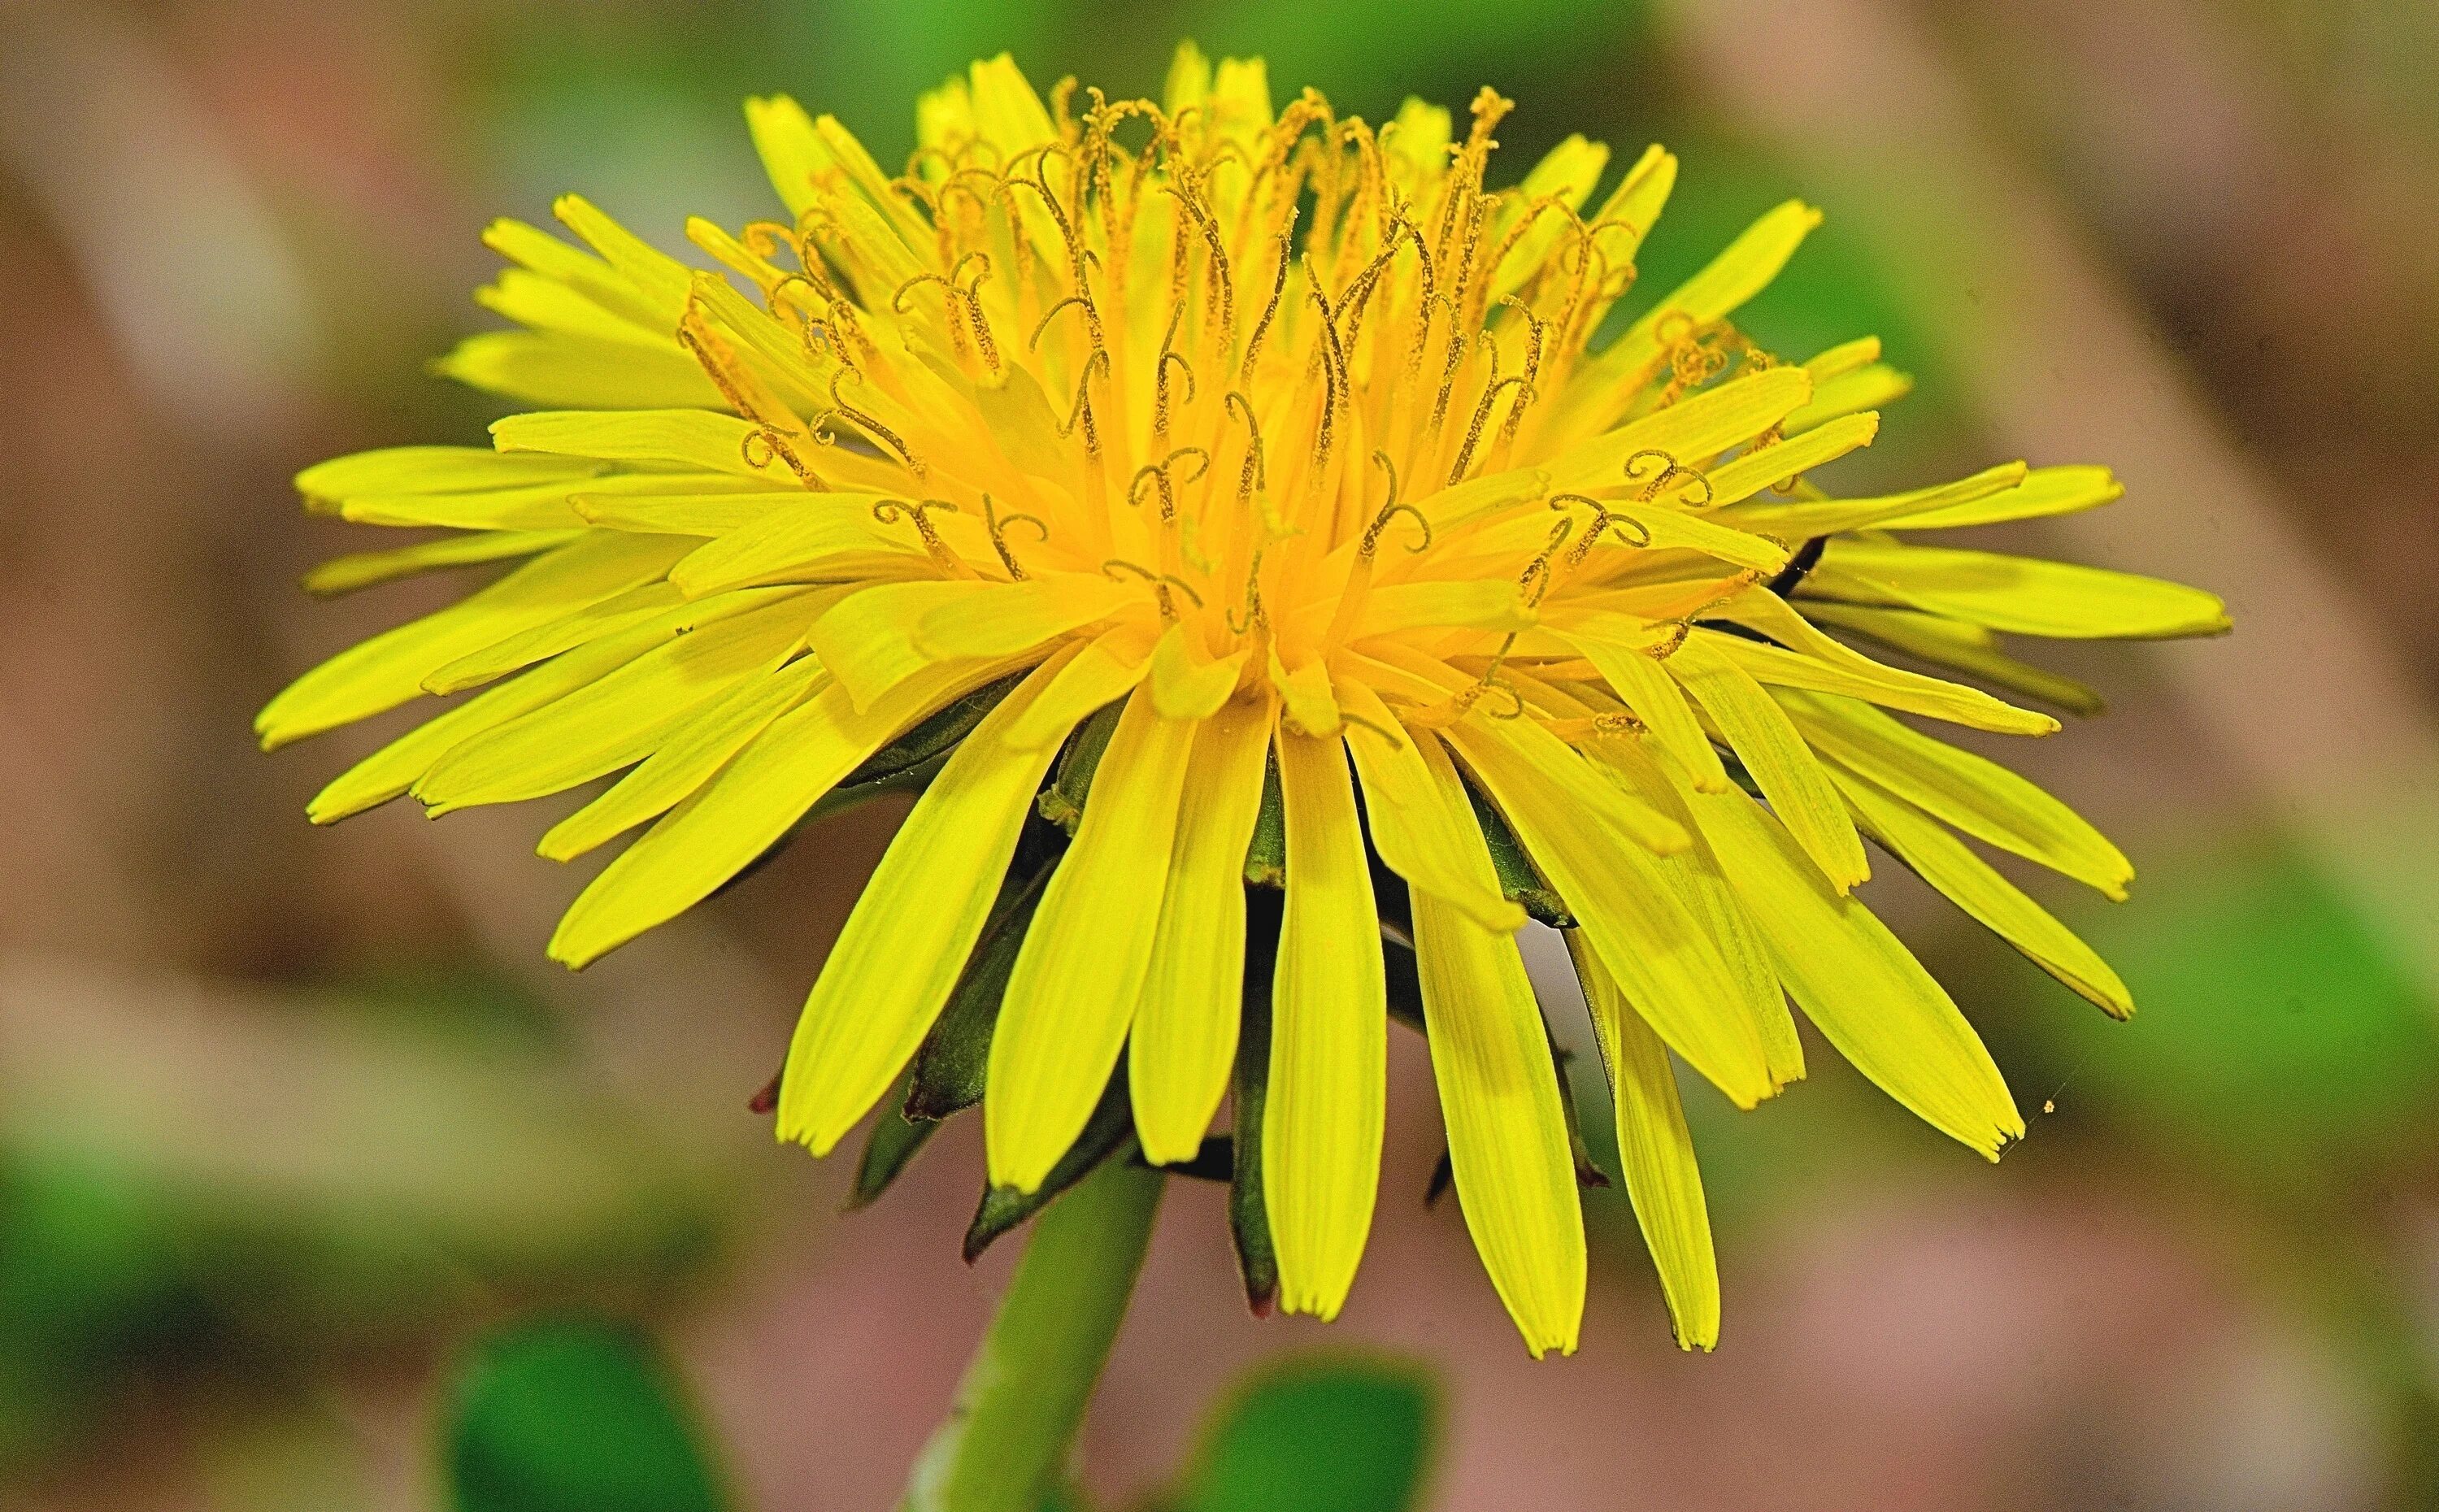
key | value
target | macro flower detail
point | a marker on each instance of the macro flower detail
(1227, 519)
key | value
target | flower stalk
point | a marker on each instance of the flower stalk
(1007, 1434)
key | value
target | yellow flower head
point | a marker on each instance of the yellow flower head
(1226, 517)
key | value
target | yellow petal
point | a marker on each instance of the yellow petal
(906, 942)
(1105, 670)
(655, 275)
(1801, 518)
(1973, 885)
(721, 829)
(681, 514)
(1695, 875)
(546, 303)
(344, 575)
(1507, 1129)
(1874, 386)
(533, 506)
(1697, 428)
(1186, 682)
(652, 602)
(790, 152)
(1738, 274)
(1422, 822)
(615, 721)
(686, 438)
(1771, 747)
(1659, 952)
(1767, 466)
(1866, 991)
(1637, 200)
(390, 771)
(1565, 175)
(1184, 1039)
(1979, 796)
(388, 670)
(1311, 705)
(687, 759)
(1190, 78)
(438, 470)
(867, 638)
(1637, 677)
(2044, 492)
(548, 257)
(829, 535)
(1656, 1151)
(1807, 659)
(1494, 604)
(1952, 643)
(1322, 1124)
(1007, 618)
(1080, 969)
(560, 371)
(2024, 596)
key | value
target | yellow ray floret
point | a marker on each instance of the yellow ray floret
(1223, 513)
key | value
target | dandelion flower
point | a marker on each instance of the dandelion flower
(1225, 516)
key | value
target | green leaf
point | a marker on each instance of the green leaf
(1318, 1435)
(574, 1415)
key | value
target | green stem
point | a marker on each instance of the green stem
(1005, 1444)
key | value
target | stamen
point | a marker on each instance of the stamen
(1098, 361)
(948, 293)
(1534, 582)
(1533, 212)
(1252, 478)
(872, 424)
(1333, 361)
(1458, 704)
(889, 511)
(984, 341)
(1220, 295)
(1683, 624)
(1160, 373)
(997, 524)
(1696, 355)
(1390, 510)
(776, 444)
(1423, 308)
(1359, 294)
(1602, 521)
(721, 365)
(1255, 615)
(1481, 420)
(1163, 585)
(1158, 474)
(1670, 470)
(1448, 373)
(1533, 345)
(1278, 285)
(1072, 301)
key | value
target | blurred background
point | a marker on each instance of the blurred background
(289, 1116)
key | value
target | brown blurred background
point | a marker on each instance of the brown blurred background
(286, 1115)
